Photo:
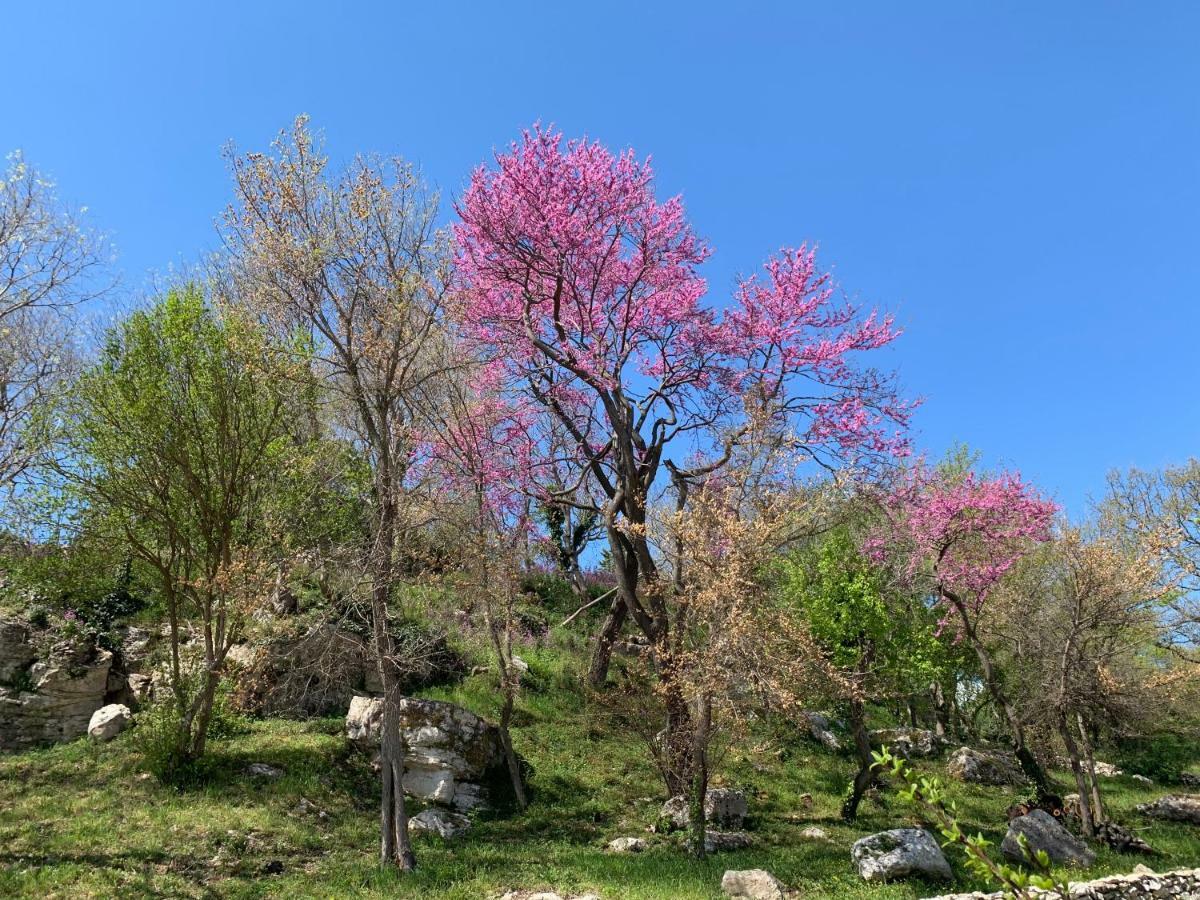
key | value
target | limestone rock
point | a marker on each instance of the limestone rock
(627, 845)
(1107, 770)
(979, 767)
(909, 742)
(899, 853)
(1174, 808)
(717, 841)
(16, 652)
(752, 884)
(450, 749)
(724, 807)
(67, 688)
(1142, 882)
(1044, 832)
(814, 833)
(820, 728)
(1142, 779)
(440, 822)
(109, 721)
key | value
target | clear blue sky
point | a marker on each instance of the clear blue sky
(1018, 182)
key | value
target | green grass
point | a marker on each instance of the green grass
(79, 820)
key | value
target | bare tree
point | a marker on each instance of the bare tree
(1161, 510)
(49, 264)
(354, 262)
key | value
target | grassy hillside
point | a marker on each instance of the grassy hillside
(80, 820)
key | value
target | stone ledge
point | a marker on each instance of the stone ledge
(1180, 883)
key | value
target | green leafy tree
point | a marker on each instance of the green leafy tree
(172, 441)
(880, 637)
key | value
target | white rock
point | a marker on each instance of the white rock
(752, 884)
(814, 833)
(109, 721)
(627, 845)
(449, 748)
(440, 822)
(899, 853)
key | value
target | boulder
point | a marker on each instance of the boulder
(979, 767)
(262, 770)
(819, 728)
(725, 807)
(1107, 770)
(1142, 779)
(450, 750)
(627, 845)
(1044, 832)
(909, 742)
(109, 721)
(752, 884)
(899, 853)
(717, 841)
(440, 822)
(66, 689)
(814, 833)
(1174, 808)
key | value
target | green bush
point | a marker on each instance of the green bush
(1163, 756)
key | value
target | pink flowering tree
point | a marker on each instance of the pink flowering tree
(586, 290)
(481, 451)
(961, 534)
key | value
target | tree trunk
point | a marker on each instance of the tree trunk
(678, 739)
(395, 843)
(510, 756)
(941, 712)
(609, 631)
(699, 791)
(1016, 731)
(1089, 758)
(866, 765)
(1085, 807)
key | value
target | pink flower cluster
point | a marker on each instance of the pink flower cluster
(967, 531)
(585, 289)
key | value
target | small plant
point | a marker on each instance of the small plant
(928, 796)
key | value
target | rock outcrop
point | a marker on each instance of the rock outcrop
(900, 853)
(54, 698)
(1044, 832)
(984, 767)
(1174, 808)
(450, 750)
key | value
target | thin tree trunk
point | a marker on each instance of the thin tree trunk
(940, 711)
(866, 765)
(699, 791)
(1016, 731)
(1085, 807)
(1090, 759)
(395, 843)
(609, 631)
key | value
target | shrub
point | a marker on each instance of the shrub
(1163, 757)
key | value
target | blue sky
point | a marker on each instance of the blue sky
(1018, 182)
